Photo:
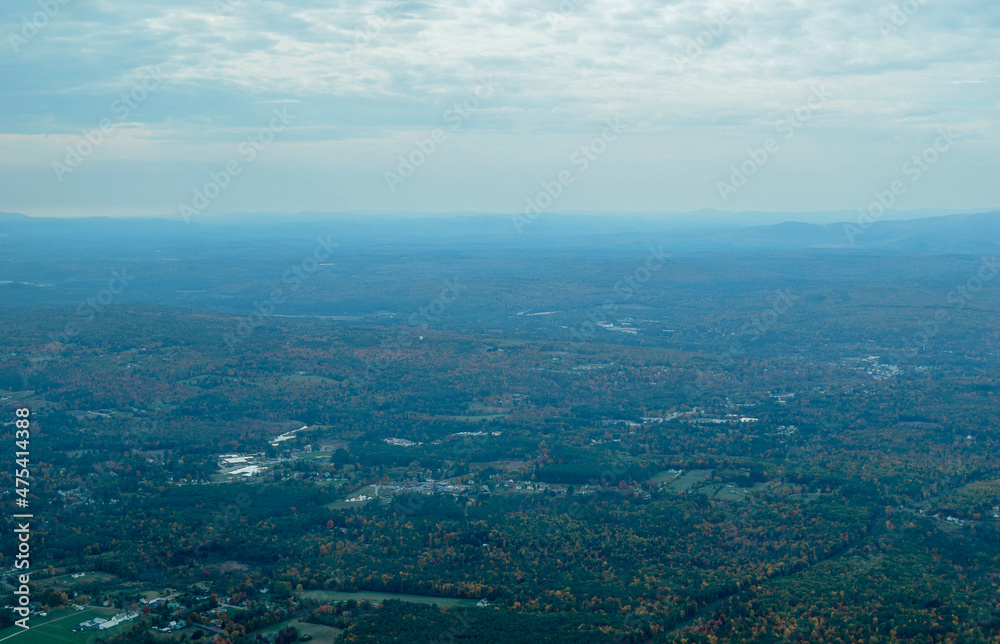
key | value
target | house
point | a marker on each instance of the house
(247, 472)
(104, 624)
(92, 623)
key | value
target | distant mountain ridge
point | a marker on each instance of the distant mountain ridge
(965, 233)
(959, 233)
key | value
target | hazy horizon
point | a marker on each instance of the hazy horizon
(707, 216)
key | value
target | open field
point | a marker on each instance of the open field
(725, 493)
(688, 480)
(334, 596)
(320, 634)
(806, 496)
(58, 625)
(324, 455)
(67, 581)
(666, 476)
(368, 490)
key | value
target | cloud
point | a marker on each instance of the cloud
(716, 74)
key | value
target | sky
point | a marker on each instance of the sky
(195, 108)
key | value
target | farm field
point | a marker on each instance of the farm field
(58, 626)
(688, 480)
(320, 634)
(67, 580)
(377, 598)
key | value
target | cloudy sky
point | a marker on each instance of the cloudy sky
(205, 107)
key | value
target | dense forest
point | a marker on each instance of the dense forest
(490, 446)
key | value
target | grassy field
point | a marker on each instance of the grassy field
(688, 480)
(806, 496)
(58, 625)
(725, 493)
(500, 465)
(368, 490)
(67, 581)
(333, 596)
(320, 634)
(666, 476)
(319, 455)
(695, 479)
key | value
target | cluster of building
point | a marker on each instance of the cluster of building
(539, 486)
(430, 486)
(624, 326)
(400, 442)
(648, 420)
(244, 466)
(101, 624)
(76, 496)
(873, 366)
(784, 430)
(173, 625)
